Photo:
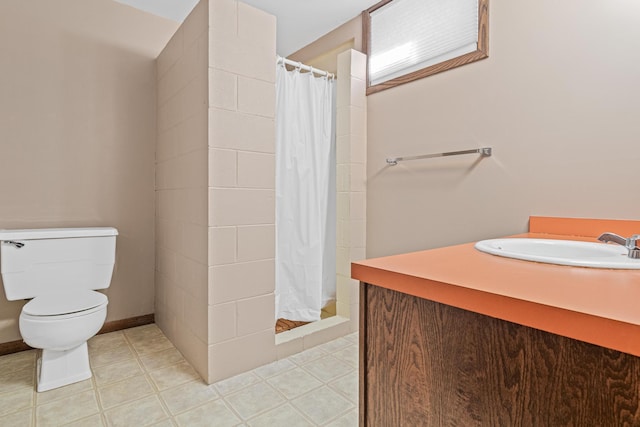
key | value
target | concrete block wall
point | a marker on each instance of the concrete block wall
(241, 188)
(351, 156)
(215, 192)
(181, 189)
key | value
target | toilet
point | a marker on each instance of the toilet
(59, 270)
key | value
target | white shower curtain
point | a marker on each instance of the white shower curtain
(305, 194)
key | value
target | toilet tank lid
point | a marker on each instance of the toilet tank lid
(56, 233)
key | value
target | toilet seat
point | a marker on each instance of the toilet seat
(64, 305)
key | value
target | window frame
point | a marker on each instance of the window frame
(481, 52)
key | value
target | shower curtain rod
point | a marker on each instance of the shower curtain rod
(302, 66)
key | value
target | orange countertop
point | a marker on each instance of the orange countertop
(598, 306)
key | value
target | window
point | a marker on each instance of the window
(406, 40)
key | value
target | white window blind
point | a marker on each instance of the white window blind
(409, 35)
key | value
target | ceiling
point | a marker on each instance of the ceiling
(300, 22)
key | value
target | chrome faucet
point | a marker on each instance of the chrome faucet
(630, 243)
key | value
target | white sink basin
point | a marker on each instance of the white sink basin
(563, 252)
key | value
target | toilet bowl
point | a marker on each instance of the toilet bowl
(59, 269)
(60, 324)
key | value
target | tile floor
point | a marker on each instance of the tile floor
(141, 379)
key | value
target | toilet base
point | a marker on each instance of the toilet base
(60, 368)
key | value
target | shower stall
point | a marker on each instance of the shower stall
(305, 192)
(215, 193)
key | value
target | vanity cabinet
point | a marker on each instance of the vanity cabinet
(456, 337)
(424, 363)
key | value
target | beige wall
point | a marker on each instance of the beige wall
(77, 132)
(557, 99)
(181, 189)
(323, 53)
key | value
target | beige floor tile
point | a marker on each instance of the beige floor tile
(92, 421)
(105, 356)
(151, 344)
(285, 415)
(147, 339)
(349, 355)
(322, 382)
(308, 355)
(160, 359)
(22, 418)
(13, 401)
(322, 405)
(132, 388)
(275, 368)
(116, 372)
(254, 400)
(354, 337)
(188, 396)
(173, 375)
(202, 416)
(294, 383)
(233, 384)
(18, 361)
(350, 419)
(68, 409)
(59, 393)
(106, 341)
(141, 412)
(14, 380)
(347, 386)
(327, 368)
(141, 333)
(335, 345)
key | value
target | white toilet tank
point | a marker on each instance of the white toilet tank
(51, 260)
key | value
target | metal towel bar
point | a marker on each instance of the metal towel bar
(485, 152)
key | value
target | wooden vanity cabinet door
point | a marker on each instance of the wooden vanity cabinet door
(424, 363)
